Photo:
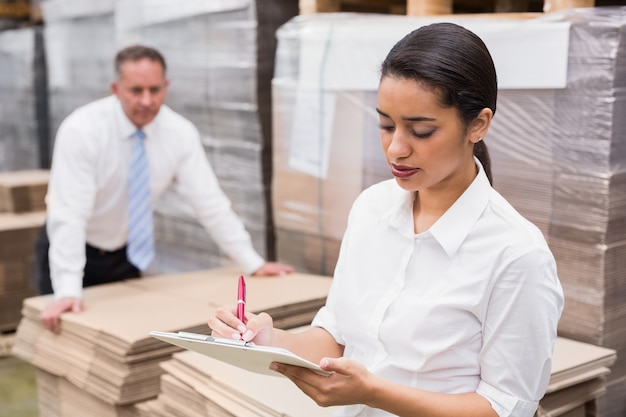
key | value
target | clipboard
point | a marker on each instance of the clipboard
(245, 355)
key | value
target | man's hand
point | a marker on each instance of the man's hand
(273, 268)
(51, 314)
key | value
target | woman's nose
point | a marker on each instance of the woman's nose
(399, 145)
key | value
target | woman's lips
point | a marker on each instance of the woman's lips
(401, 171)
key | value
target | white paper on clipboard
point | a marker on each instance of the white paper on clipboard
(254, 358)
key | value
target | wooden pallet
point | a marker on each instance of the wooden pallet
(6, 343)
(439, 7)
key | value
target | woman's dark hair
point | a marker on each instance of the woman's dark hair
(455, 62)
(135, 53)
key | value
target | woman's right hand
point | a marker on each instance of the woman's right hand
(258, 328)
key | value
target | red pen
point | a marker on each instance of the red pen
(241, 299)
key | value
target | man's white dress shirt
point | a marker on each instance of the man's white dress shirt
(471, 305)
(87, 193)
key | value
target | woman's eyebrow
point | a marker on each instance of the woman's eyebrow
(408, 119)
(382, 113)
(419, 119)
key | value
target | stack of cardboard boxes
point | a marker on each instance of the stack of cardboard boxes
(103, 361)
(21, 216)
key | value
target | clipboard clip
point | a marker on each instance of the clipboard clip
(207, 338)
(195, 336)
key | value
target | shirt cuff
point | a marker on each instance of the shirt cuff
(326, 320)
(251, 262)
(506, 405)
(67, 286)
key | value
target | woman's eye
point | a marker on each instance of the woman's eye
(422, 134)
(386, 128)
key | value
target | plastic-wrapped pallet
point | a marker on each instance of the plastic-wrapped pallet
(220, 61)
(557, 142)
(80, 46)
(18, 123)
(326, 139)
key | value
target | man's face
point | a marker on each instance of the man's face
(141, 88)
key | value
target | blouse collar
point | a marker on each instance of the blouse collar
(451, 229)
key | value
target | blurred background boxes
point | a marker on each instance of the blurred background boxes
(22, 213)
(13, 13)
(434, 7)
(23, 191)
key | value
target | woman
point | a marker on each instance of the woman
(445, 300)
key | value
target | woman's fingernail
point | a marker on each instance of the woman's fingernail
(241, 328)
(247, 336)
(235, 336)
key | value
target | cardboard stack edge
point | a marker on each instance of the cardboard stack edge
(578, 379)
(23, 191)
(103, 361)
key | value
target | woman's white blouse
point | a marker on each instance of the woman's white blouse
(471, 305)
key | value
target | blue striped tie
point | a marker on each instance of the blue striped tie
(140, 248)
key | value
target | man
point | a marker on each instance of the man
(113, 158)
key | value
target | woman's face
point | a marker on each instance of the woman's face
(425, 144)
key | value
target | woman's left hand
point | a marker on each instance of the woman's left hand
(349, 382)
